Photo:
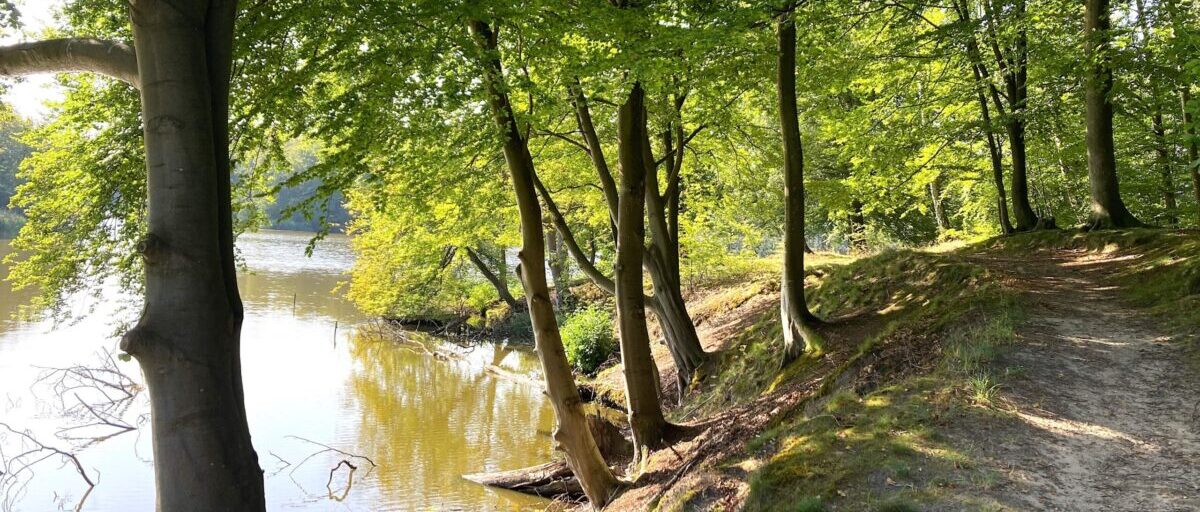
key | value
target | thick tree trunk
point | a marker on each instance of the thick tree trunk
(492, 277)
(572, 434)
(1107, 210)
(799, 336)
(641, 379)
(188, 338)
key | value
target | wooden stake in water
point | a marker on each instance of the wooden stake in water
(293, 305)
(335, 328)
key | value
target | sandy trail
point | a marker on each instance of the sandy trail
(1109, 408)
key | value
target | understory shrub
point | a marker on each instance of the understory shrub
(588, 338)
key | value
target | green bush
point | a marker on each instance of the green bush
(588, 338)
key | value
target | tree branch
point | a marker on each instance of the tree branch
(109, 58)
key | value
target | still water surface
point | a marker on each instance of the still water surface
(310, 372)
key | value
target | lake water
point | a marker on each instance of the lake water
(312, 373)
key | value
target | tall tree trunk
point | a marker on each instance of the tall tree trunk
(1164, 166)
(641, 379)
(668, 305)
(572, 434)
(797, 320)
(1107, 210)
(1014, 66)
(1193, 144)
(493, 277)
(979, 72)
(187, 340)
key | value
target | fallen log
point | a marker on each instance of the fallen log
(549, 480)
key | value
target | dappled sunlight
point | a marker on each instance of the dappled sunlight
(1064, 426)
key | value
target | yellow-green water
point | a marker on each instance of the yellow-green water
(423, 420)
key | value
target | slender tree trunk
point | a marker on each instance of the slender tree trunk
(797, 320)
(559, 270)
(1193, 144)
(662, 263)
(641, 380)
(858, 227)
(492, 277)
(1013, 66)
(1164, 166)
(939, 213)
(572, 434)
(1107, 210)
(979, 72)
(668, 304)
(188, 338)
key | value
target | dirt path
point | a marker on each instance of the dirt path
(1108, 408)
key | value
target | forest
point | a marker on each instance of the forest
(884, 255)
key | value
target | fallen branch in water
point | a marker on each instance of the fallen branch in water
(96, 398)
(549, 480)
(327, 449)
(17, 470)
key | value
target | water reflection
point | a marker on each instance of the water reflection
(309, 375)
(433, 420)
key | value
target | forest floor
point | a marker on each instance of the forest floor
(1038, 372)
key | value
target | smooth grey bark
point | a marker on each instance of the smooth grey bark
(646, 418)
(492, 277)
(1107, 208)
(662, 263)
(799, 335)
(187, 340)
(572, 433)
(109, 58)
(939, 213)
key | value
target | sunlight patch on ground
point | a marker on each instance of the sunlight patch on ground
(1075, 428)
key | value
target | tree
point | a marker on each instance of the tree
(641, 378)
(799, 336)
(1108, 210)
(188, 338)
(573, 433)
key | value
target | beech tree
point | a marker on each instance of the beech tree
(1108, 210)
(573, 434)
(188, 338)
(799, 335)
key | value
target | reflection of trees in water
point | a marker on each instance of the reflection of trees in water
(429, 421)
(314, 293)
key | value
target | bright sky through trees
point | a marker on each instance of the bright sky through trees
(28, 95)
